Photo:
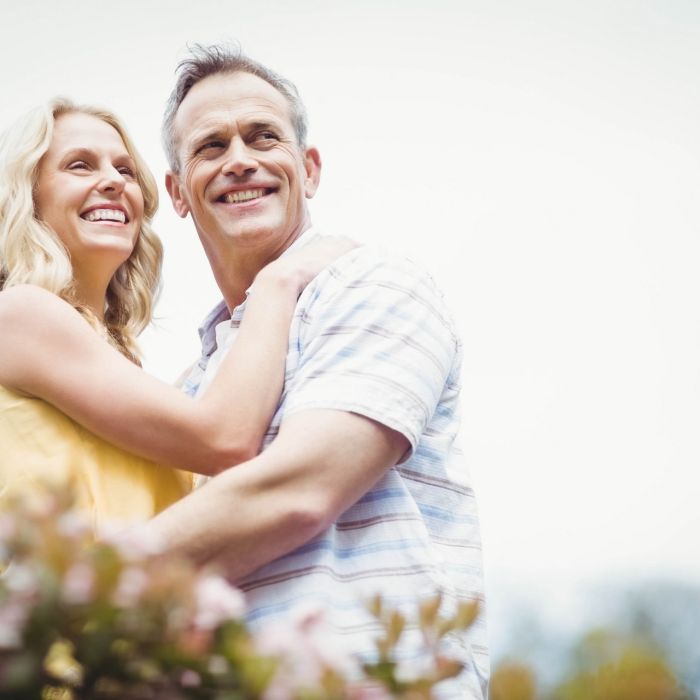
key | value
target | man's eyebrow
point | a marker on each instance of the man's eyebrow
(211, 134)
(222, 132)
(260, 124)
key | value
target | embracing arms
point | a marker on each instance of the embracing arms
(321, 462)
(50, 352)
(377, 355)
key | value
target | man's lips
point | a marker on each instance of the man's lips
(249, 194)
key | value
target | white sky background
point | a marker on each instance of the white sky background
(543, 160)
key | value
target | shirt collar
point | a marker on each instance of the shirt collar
(220, 313)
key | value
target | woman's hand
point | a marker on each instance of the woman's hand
(301, 266)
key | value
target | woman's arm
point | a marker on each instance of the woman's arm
(49, 351)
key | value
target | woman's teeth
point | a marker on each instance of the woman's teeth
(105, 215)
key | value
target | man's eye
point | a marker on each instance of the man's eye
(211, 146)
(265, 136)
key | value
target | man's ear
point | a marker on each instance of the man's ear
(172, 184)
(312, 166)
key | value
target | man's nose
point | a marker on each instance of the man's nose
(239, 159)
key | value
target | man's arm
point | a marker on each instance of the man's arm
(321, 462)
(376, 355)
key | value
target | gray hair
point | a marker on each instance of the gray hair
(223, 58)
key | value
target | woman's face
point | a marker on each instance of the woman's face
(87, 192)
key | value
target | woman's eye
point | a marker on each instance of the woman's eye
(78, 165)
(126, 171)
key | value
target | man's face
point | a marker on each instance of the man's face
(243, 177)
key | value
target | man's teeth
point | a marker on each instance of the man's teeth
(242, 196)
(105, 215)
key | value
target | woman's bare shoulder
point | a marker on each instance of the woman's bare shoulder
(39, 332)
(25, 304)
(32, 318)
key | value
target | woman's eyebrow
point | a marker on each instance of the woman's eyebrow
(78, 151)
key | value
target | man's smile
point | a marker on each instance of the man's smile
(245, 195)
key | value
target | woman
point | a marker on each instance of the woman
(79, 268)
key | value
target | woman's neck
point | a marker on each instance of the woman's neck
(91, 290)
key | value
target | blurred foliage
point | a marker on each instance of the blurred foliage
(108, 620)
(513, 681)
(602, 665)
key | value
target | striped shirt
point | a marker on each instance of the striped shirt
(371, 335)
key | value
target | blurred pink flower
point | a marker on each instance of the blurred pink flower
(306, 647)
(130, 587)
(21, 579)
(78, 584)
(217, 601)
(23, 588)
(8, 526)
(368, 691)
(13, 616)
(190, 679)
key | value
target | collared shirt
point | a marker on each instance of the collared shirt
(371, 335)
(218, 332)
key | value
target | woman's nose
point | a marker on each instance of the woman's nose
(111, 180)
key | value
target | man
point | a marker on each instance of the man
(360, 488)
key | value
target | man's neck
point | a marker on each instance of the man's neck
(236, 269)
(234, 276)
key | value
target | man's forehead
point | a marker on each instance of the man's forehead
(224, 99)
(225, 119)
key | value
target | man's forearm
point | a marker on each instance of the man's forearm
(239, 519)
(321, 463)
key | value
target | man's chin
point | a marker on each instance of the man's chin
(256, 232)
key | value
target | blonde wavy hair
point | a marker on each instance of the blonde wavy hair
(32, 253)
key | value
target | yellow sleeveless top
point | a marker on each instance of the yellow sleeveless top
(39, 444)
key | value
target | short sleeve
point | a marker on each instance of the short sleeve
(374, 339)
